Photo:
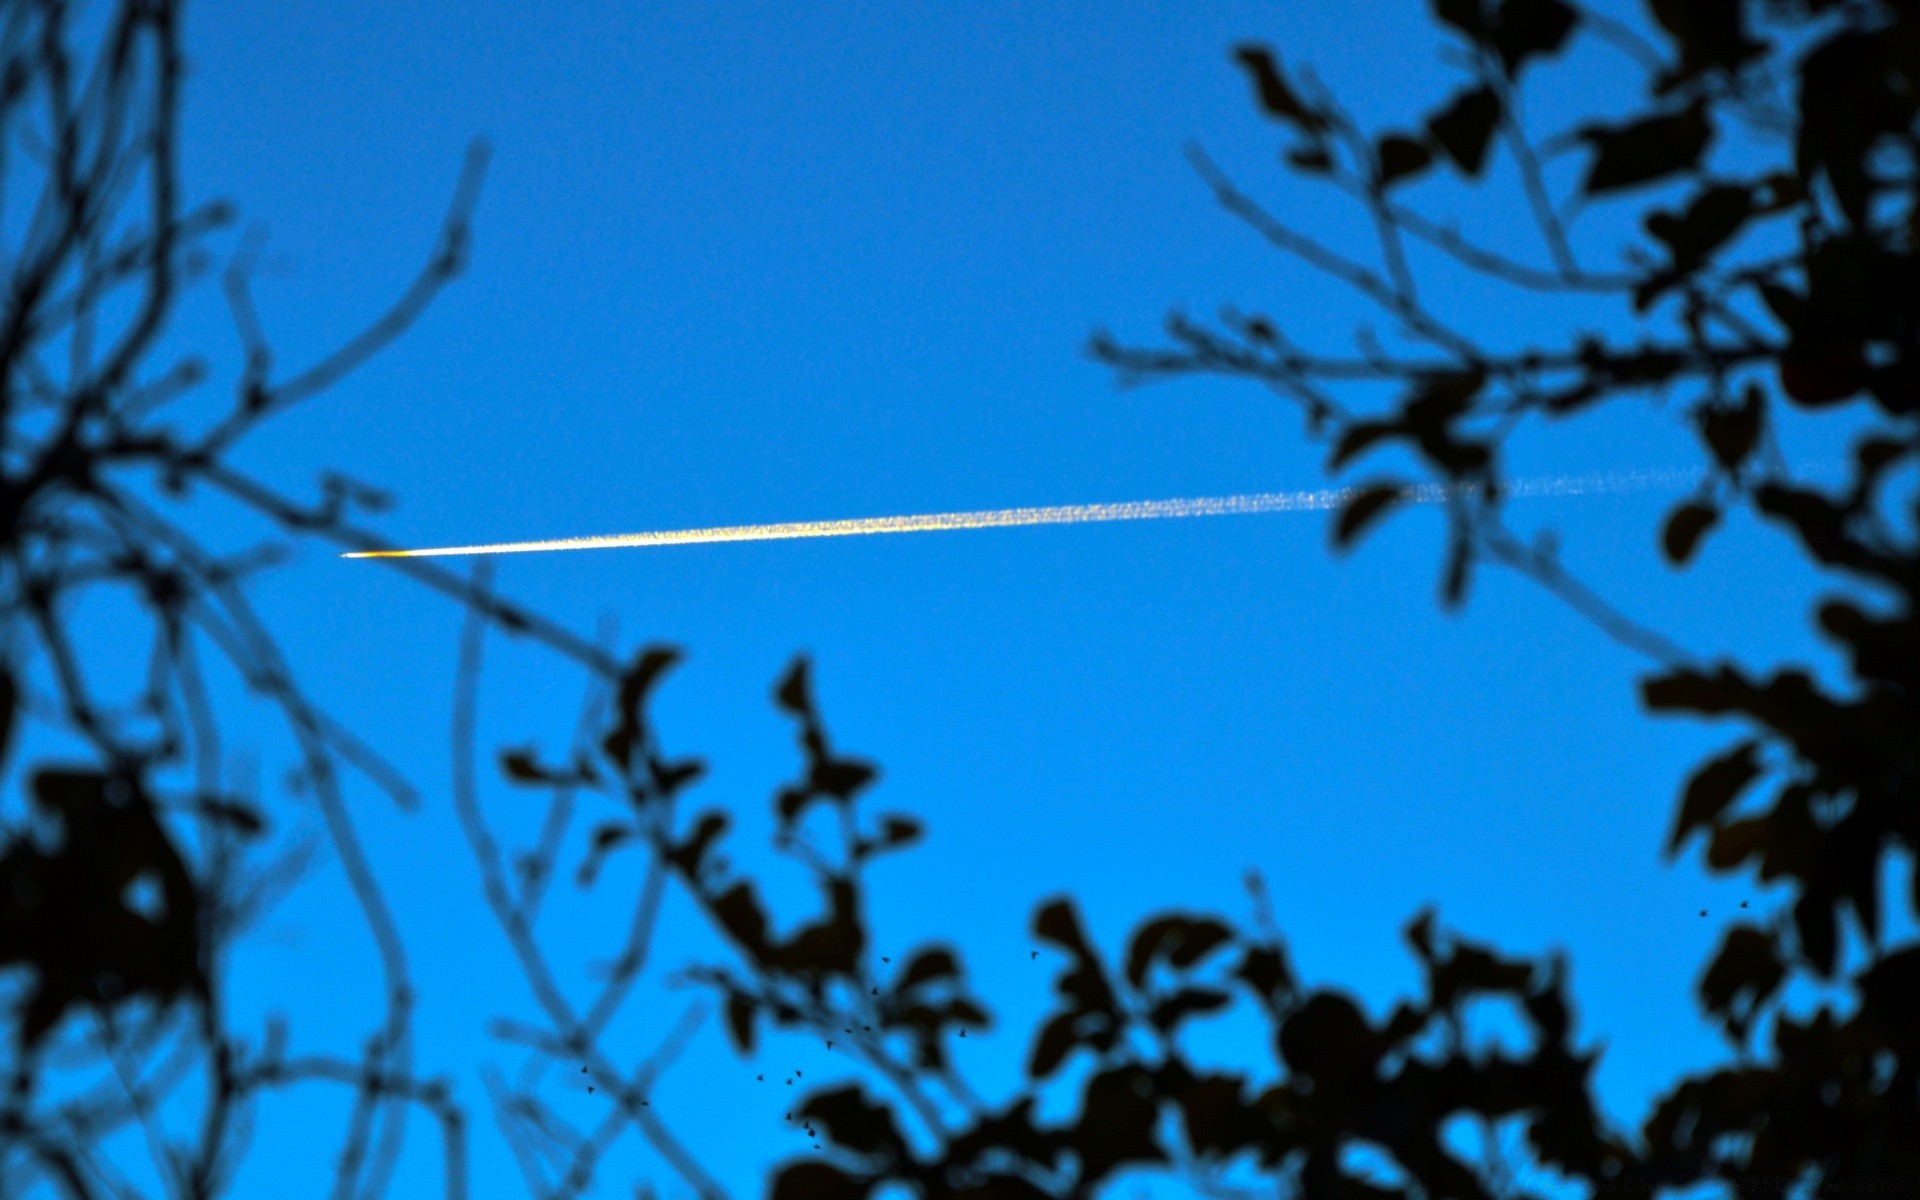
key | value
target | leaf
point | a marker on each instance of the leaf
(1057, 923)
(1359, 436)
(1530, 28)
(1713, 218)
(1647, 150)
(519, 766)
(1200, 938)
(1712, 788)
(1276, 98)
(1145, 946)
(1684, 528)
(1050, 1049)
(1167, 1015)
(740, 1010)
(793, 693)
(640, 678)
(841, 778)
(739, 912)
(1732, 433)
(1118, 1116)
(611, 834)
(1265, 970)
(1328, 1040)
(857, 1123)
(606, 838)
(670, 779)
(927, 966)
(1366, 508)
(1468, 16)
(1739, 841)
(1464, 128)
(1400, 157)
(900, 831)
(1817, 376)
(1710, 33)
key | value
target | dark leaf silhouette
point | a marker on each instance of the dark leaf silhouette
(1714, 785)
(1117, 1121)
(1647, 150)
(1743, 976)
(1400, 158)
(857, 1123)
(1685, 526)
(1464, 129)
(1328, 1040)
(1182, 941)
(1276, 96)
(740, 1011)
(671, 778)
(794, 691)
(1265, 970)
(1709, 222)
(65, 915)
(1731, 432)
(1167, 1014)
(1367, 507)
(1529, 29)
(607, 837)
(1467, 16)
(1057, 1038)
(926, 966)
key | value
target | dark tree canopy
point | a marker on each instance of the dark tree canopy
(1790, 277)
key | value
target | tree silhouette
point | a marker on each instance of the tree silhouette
(128, 876)
(1790, 277)
(135, 863)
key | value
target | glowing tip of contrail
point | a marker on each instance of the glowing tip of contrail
(1065, 514)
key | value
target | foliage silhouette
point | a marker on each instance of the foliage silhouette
(1793, 279)
(1818, 309)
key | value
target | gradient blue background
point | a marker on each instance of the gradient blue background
(740, 263)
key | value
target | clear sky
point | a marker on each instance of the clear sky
(740, 263)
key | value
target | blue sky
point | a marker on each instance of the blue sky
(740, 263)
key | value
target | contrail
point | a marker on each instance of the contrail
(1063, 514)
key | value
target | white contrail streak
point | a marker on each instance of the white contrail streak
(1063, 514)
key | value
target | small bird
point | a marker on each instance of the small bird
(963, 1033)
(589, 1089)
(885, 959)
(1743, 904)
(829, 1043)
(1703, 912)
(761, 1078)
(1032, 954)
(789, 1083)
(797, 1072)
(876, 991)
(583, 1070)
